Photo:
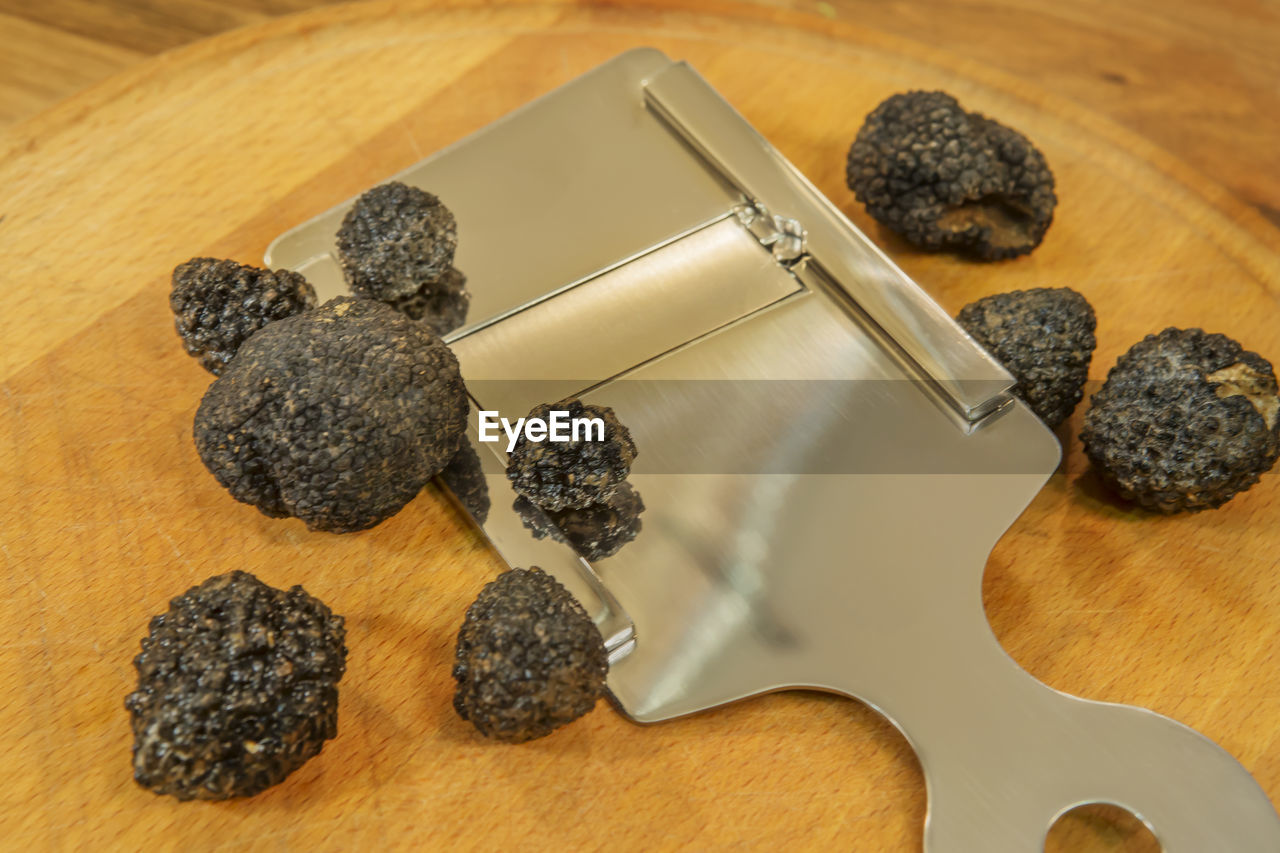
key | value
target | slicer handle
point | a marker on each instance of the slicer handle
(998, 786)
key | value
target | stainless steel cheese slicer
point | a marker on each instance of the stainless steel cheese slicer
(826, 459)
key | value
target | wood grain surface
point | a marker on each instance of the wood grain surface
(106, 512)
(1201, 79)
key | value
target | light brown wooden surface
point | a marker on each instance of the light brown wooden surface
(106, 512)
(1199, 78)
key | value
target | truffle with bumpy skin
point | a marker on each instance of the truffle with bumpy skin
(442, 305)
(594, 532)
(1044, 337)
(1185, 421)
(575, 473)
(237, 688)
(529, 658)
(396, 239)
(338, 416)
(944, 178)
(218, 304)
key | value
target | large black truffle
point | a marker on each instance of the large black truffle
(394, 240)
(218, 304)
(442, 305)
(1044, 337)
(555, 475)
(1185, 421)
(338, 416)
(237, 688)
(529, 658)
(944, 178)
(594, 532)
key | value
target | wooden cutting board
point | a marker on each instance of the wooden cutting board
(106, 512)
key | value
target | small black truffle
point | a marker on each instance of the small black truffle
(555, 475)
(237, 688)
(1044, 337)
(218, 304)
(1185, 421)
(396, 239)
(338, 416)
(529, 658)
(594, 532)
(442, 305)
(944, 178)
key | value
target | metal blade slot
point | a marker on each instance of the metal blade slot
(938, 350)
(624, 317)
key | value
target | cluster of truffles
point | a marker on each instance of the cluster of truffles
(237, 688)
(396, 245)
(944, 178)
(529, 659)
(336, 415)
(1044, 337)
(1185, 421)
(340, 414)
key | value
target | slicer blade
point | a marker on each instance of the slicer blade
(825, 458)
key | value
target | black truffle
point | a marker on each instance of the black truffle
(394, 240)
(1044, 337)
(218, 304)
(594, 532)
(464, 476)
(944, 178)
(1185, 421)
(237, 688)
(529, 658)
(442, 305)
(555, 475)
(338, 416)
